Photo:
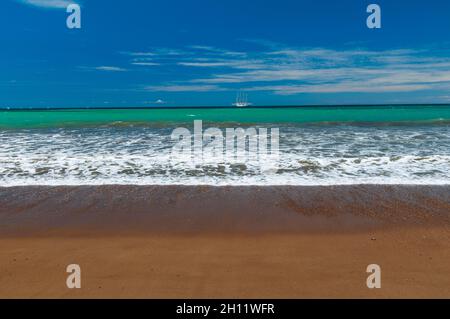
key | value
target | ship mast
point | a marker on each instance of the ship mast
(241, 99)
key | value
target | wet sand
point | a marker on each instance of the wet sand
(208, 242)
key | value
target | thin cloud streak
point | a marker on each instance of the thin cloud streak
(110, 69)
(184, 88)
(145, 63)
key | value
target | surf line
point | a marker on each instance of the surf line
(187, 309)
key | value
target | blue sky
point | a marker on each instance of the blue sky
(163, 52)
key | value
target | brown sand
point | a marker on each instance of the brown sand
(209, 242)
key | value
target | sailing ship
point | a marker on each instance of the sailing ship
(241, 100)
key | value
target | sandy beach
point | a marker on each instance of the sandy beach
(231, 242)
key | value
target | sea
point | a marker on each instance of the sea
(321, 145)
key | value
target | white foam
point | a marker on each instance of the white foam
(308, 156)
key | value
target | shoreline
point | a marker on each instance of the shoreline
(220, 209)
(232, 185)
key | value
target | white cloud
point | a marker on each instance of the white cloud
(139, 54)
(344, 87)
(217, 51)
(204, 64)
(145, 63)
(235, 64)
(183, 88)
(110, 69)
(51, 4)
(287, 70)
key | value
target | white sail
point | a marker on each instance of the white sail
(241, 100)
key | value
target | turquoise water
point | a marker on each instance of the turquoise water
(372, 114)
(316, 146)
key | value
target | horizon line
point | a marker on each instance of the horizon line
(50, 108)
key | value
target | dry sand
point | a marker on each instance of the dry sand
(232, 242)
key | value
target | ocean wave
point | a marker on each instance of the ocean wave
(329, 155)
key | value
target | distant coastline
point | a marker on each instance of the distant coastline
(218, 107)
